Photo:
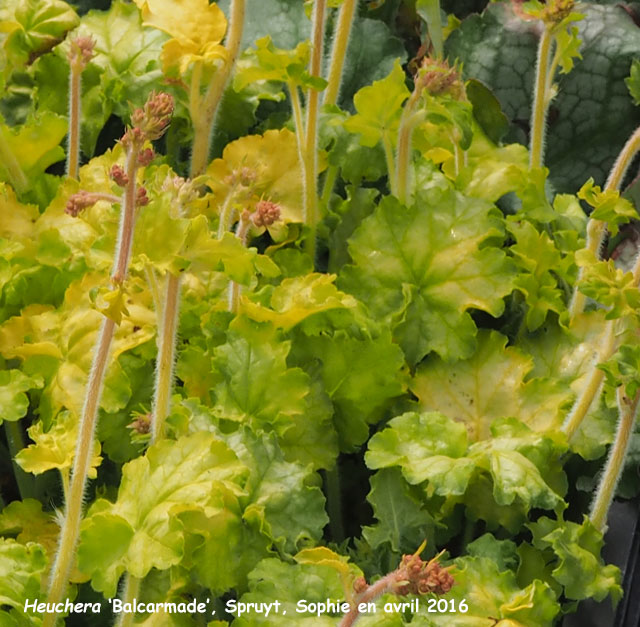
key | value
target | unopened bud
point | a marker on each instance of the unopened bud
(81, 52)
(154, 117)
(145, 157)
(118, 175)
(438, 78)
(78, 202)
(141, 197)
(266, 213)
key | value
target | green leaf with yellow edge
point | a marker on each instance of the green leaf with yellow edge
(35, 27)
(493, 597)
(297, 298)
(197, 28)
(419, 268)
(192, 474)
(623, 369)
(268, 63)
(378, 109)
(568, 46)
(454, 389)
(608, 206)
(16, 219)
(575, 554)
(55, 448)
(21, 572)
(258, 166)
(609, 286)
(13, 400)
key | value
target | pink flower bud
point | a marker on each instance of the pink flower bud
(118, 175)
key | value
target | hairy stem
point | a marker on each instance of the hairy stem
(130, 591)
(368, 596)
(591, 391)
(73, 145)
(71, 526)
(166, 357)
(203, 125)
(403, 153)
(596, 229)
(391, 163)
(311, 130)
(627, 413)
(339, 51)
(540, 100)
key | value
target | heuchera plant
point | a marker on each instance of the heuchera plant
(331, 300)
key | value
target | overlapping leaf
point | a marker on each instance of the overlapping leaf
(420, 268)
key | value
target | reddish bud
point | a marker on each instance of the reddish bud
(154, 117)
(81, 52)
(78, 202)
(145, 157)
(141, 197)
(266, 213)
(118, 175)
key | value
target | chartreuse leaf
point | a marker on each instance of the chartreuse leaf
(539, 259)
(268, 63)
(34, 146)
(21, 570)
(607, 205)
(35, 27)
(378, 109)
(575, 551)
(297, 298)
(454, 389)
(196, 28)
(609, 286)
(283, 497)
(196, 473)
(55, 448)
(257, 388)
(128, 56)
(623, 369)
(419, 268)
(360, 375)
(493, 597)
(431, 448)
(259, 166)
(13, 400)
(289, 583)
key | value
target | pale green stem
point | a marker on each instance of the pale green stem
(458, 155)
(329, 182)
(235, 289)
(311, 130)
(339, 51)
(84, 447)
(73, 145)
(591, 390)
(152, 282)
(540, 100)
(194, 93)
(15, 442)
(403, 152)
(296, 108)
(226, 213)
(627, 413)
(203, 127)
(16, 176)
(596, 228)
(166, 357)
(130, 592)
(391, 164)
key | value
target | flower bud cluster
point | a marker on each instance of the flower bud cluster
(266, 213)
(119, 176)
(414, 576)
(80, 201)
(152, 120)
(81, 52)
(438, 78)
